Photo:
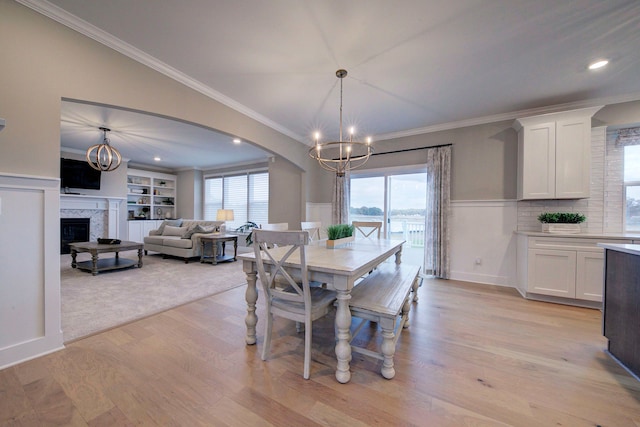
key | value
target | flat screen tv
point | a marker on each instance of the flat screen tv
(78, 174)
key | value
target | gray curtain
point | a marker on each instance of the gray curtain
(436, 253)
(341, 200)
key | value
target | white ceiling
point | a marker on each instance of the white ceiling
(414, 65)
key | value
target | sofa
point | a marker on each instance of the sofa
(181, 237)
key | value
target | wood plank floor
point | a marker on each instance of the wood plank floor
(474, 355)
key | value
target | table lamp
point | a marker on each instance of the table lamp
(224, 215)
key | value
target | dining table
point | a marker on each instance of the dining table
(340, 268)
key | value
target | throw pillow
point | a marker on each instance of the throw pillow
(171, 222)
(174, 231)
(191, 231)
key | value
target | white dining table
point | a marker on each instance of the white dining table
(339, 268)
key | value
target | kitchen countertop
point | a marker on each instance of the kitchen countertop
(619, 236)
(629, 249)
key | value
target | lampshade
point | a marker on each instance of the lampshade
(224, 215)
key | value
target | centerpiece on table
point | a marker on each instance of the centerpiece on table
(339, 235)
(561, 222)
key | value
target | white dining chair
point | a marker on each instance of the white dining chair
(313, 227)
(297, 301)
(367, 229)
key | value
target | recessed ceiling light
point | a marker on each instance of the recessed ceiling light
(236, 140)
(598, 64)
(157, 159)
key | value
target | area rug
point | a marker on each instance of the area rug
(92, 304)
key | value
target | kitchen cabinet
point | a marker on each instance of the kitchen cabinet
(567, 269)
(554, 155)
(151, 195)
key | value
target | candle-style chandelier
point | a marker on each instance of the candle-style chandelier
(104, 157)
(341, 156)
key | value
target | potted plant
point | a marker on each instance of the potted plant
(247, 227)
(561, 222)
(339, 235)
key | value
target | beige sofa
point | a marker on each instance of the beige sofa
(181, 238)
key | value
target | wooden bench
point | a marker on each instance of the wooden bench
(384, 297)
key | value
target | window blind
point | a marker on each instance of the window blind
(247, 194)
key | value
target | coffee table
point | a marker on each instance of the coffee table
(214, 240)
(95, 248)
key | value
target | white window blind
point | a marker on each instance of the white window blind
(247, 194)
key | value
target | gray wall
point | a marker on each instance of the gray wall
(190, 194)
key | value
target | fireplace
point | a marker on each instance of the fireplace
(73, 230)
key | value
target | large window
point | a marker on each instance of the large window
(632, 187)
(247, 194)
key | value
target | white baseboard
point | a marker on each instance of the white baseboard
(485, 279)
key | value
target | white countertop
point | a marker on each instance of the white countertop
(630, 249)
(619, 236)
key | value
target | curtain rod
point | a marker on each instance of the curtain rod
(412, 149)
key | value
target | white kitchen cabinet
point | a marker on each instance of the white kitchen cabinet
(567, 269)
(554, 155)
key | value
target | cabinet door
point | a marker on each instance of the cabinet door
(552, 272)
(573, 158)
(135, 231)
(148, 226)
(537, 161)
(589, 275)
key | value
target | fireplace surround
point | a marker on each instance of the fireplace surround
(73, 230)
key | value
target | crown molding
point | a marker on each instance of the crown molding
(65, 18)
(512, 116)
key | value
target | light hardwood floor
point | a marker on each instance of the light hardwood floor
(474, 355)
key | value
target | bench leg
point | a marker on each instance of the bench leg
(406, 307)
(414, 288)
(388, 347)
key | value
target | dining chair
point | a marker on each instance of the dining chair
(367, 228)
(297, 301)
(313, 227)
(280, 226)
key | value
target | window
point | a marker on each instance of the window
(247, 194)
(632, 187)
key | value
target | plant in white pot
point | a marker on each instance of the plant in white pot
(339, 235)
(561, 222)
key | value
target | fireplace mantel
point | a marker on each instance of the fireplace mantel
(112, 205)
(82, 201)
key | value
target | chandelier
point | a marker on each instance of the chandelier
(341, 156)
(104, 157)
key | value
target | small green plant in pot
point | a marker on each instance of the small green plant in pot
(561, 222)
(339, 231)
(339, 234)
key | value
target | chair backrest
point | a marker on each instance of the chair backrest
(368, 228)
(280, 226)
(313, 228)
(271, 268)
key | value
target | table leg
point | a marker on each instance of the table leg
(251, 296)
(399, 256)
(343, 348)
(235, 248)
(74, 253)
(139, 258)
(117, 255)
(214, 253)
(94, 263)
(202, 247)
